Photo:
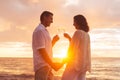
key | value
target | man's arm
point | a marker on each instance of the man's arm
(55, 39)
(45, 56)
(47, 59)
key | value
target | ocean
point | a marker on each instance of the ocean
(22, 69)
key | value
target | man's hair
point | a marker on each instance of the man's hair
(45, 14)
(82, 22)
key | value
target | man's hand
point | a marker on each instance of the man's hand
(55, 39)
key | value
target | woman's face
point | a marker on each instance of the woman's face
(75, 24)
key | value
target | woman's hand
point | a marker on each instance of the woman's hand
(66, 35)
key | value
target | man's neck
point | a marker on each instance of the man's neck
(44, 24)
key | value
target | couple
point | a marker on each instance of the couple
(78, 59)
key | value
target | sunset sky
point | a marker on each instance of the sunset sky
(18, 18)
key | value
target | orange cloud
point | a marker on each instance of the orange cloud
(24, 14)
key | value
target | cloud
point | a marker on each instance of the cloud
(15, 34)
(24, 14)
(97, 12)
(105, 39)
(16, 12)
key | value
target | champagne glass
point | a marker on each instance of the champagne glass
(61, 31)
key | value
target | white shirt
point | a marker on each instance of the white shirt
(41, 39)
(79, 57)
(80, 51)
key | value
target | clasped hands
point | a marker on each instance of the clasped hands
(56, 66)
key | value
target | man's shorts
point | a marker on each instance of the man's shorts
(44, 73)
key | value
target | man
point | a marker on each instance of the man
(42, 49)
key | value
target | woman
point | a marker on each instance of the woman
(79, 58)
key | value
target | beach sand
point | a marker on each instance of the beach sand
(31, 77)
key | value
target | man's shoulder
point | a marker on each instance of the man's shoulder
(39, 29)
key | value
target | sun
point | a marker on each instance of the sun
(62, 54)
(60, 49)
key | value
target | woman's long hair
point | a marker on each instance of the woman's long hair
(81, 22)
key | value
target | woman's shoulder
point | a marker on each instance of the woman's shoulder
(81, 33)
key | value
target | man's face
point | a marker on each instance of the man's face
(48, 20)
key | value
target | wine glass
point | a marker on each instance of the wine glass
(61, 31)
